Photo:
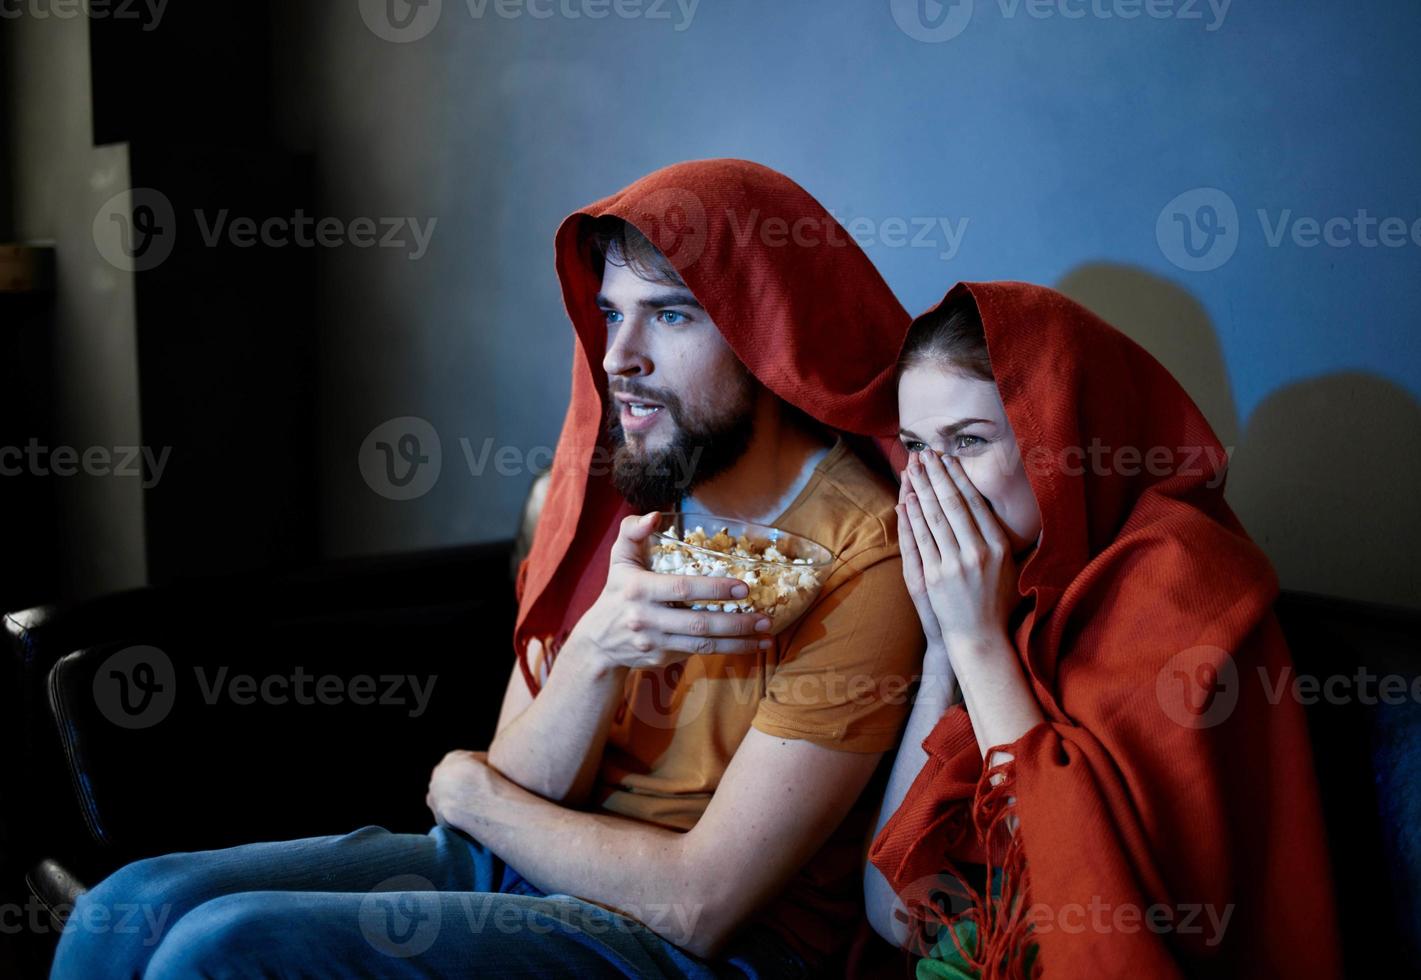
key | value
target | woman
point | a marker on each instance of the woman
(1093, 723)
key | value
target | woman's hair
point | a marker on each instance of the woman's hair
(622, 244)
(950, 336)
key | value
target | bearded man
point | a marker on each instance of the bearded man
(671, 792)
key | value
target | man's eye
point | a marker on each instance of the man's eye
(672, 318)
(612, 316)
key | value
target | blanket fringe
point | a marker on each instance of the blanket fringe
(1000, 921)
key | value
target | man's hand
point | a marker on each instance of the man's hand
(552, 744)
(630, 624)
(778, 802)
(460, 785)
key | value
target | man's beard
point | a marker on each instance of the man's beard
(702, 447)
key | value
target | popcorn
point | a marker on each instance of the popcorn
(780, 587)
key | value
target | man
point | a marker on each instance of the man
(676, 789)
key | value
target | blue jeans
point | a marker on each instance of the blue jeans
(369, 904)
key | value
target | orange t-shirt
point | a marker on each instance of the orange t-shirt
(836, 677)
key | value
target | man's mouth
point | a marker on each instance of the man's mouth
(637, 414)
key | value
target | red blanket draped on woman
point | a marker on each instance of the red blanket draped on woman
(1168, 819)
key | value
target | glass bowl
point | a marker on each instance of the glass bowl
(784, 571)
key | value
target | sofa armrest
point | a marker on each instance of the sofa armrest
(243, 708)
(1367, 753)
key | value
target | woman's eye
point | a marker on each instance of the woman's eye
(913, 446)
(672, 318)
(962, 442)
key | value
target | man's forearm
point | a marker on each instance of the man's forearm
(639, 869)
(555, 746)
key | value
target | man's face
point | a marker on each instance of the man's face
(681, 405)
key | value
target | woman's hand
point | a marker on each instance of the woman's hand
(969, 575)
(970, 578)
(913, 574)
(630, 624)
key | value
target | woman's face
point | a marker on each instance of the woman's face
(956, 415)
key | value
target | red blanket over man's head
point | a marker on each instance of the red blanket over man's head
(796, 299)
(1165, 782)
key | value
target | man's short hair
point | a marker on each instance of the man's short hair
(622, 244)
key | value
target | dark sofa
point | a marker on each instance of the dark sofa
(91, 784)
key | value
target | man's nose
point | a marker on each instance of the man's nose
(625, 355)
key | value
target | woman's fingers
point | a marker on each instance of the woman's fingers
(931, 507)
(987, 523)
(908, 547)
(922, 537)
(913, 576)
(954, 504)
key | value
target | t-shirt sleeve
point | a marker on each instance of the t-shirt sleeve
(538, 658)
(843, 682)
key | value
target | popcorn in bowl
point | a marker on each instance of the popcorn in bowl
(783, 571)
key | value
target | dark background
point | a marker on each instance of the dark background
(1056, 147)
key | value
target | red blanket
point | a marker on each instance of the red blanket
(794, 296)
(1168, 815)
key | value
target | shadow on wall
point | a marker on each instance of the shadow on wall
(1321, 474)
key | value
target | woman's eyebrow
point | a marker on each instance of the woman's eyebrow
(946, 431)
(952, 428)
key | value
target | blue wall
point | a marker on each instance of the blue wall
(1058, 140)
